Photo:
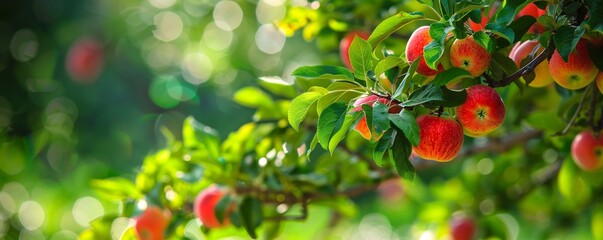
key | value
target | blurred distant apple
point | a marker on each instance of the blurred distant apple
(85, 60)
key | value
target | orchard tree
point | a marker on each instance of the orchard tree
(503, 98)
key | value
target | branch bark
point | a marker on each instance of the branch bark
(528, 68)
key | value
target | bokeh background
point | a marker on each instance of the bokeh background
(151, 63)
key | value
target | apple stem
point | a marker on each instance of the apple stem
(527, 69)
(440, 111)
(573, 119)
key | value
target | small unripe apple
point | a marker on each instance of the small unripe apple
(469, 55)
(577, 72)
(441, 138)
(414, 51)
(462, 228)
(344, 46)
(587, 151)
(151, 224)
(362, 127)
(533, 10)
(205, 205)
(84, 60)
(482, 112)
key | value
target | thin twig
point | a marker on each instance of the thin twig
(575, 116)
(547, 175)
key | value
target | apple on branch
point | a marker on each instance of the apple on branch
(441, 138)
(205, 205)
(577, 72)
(151, 224)
(482, 112)
(414, 51)
(362, 127)
(587, 151)
(469, 55)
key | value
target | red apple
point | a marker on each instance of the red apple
(362, 126)
(587, 151)
(482, 112)
(441, 138)
(462, 228)
(85, 60)
(577, 72)
(151, 224)
(414, 51)
(469, 55)
(344, 46)
(205, 205)
(533, 10)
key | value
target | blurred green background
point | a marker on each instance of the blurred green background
(163, 60)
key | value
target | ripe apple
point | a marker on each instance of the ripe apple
(441, 138)
(205, 205)
(482, 112)
(462, 228)
(521, 51)
(577, 72)
(84, 60)
(414, 50)
(587, 151)
(533, 10)
(600, 82)
(362, 127)
(344, 46)
(151, 224)
(469, 55)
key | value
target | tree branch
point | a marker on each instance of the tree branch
(528, 68)
(573, 119)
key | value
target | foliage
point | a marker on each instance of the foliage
(297, 156)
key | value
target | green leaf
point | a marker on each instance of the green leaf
(300, 107)
(405, 83)
(252, 97)
(548, 21)
(344, 85)
(566, 38)
(379, 118)
(521, 26)
(222, 207)
(360, 58)
(406, 122)
(436, 96)
(391, 25)
(278, 86)
(330, 121)
(432, 52)
(388, 63)
(502, 31)
(336, 96)
(597, 221)
(544, 120)
(484, 40)
(116, 188)
(198, 135)
(251, 216)
(323, 72)
(349, 120)
(450, 75)
(399, 155)
(382, 146)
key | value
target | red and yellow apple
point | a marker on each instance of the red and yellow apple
(205, 205)
(587, 151)
(469, 55)
(577, 72)
(151, 224)
(533, 10)
(85, 60)
(344, 46)
(462, 228)
(362, 127)
(414, 51)
(482, 112)
(600, 81)
(441, 138)
(521, 50)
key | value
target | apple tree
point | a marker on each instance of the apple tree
(485, 111)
